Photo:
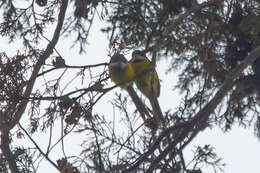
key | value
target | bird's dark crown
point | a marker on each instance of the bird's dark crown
(118, 58)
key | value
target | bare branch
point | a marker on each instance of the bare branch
(48, 51)
(9, 156)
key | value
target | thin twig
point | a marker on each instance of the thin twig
(38, 148)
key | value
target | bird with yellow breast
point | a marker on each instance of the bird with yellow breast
(122, 73)
(147, 81)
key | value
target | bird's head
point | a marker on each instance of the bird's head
(118, 60)
(138, 56)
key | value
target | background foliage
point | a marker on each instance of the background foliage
(214, 45)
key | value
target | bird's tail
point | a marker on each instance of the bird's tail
(157, 111)
(138, 103)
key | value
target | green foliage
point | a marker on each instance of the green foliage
(250, 26)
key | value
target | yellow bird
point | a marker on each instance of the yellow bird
(147, 81)
(121, 72)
